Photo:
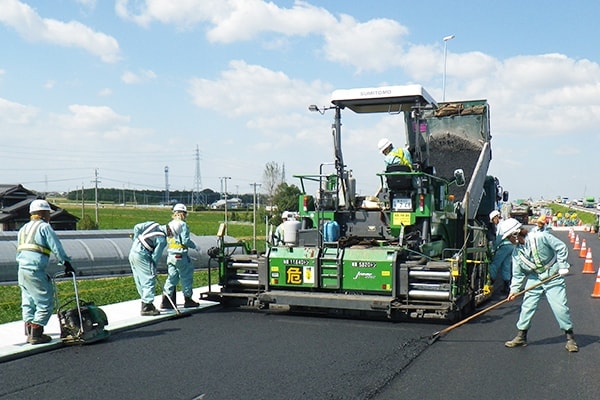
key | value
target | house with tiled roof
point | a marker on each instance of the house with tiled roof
(14, 210)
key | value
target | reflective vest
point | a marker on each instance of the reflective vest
(536, 265)
(147, 237)
(27, 239)
(173, 244)
(400, 154)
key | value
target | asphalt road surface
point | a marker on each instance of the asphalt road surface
(225, 354)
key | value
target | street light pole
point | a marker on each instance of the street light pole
(446, 39)
(224, 179)
(254, 216)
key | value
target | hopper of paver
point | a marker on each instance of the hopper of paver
(459, 138)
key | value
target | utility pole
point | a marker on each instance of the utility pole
(166, 185)
(224, 180)
(96, 181)
(82, 201)
(254, 216)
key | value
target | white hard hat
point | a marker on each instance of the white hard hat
(39, 205)
(180, 207)
(494, 214)
(507, 227)
(175, 227)
(285, 215)
(383, 144)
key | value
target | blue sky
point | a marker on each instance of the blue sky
(127, 88)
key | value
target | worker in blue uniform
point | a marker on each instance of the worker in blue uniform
(149, 242)
(394, 156)
(538, 256)
(179, 263)
(502, 261)
(36, 241)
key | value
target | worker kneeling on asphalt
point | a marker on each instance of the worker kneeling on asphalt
(179, 264)
(36, 241)
(149, 242)
(502, 262)
(538, 256)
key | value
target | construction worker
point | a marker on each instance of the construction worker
(540, 224)
(540, 255)
(278, 237)
(36, 241)
(179, 264)
(394, 156)
(503, 249)
(149, 242)
(493, 226)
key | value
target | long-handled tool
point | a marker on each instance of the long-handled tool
(436, 335)
(178, 313)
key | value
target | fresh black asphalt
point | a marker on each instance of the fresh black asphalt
(236, 354)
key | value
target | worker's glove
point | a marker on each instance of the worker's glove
(563, 271)
(69, 270)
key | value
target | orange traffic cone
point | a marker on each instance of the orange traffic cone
(588, 265)
(571, 235)
(596, 292)
(583, 251)
(577, 246)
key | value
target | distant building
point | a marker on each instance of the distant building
(231, 204)
(14, 210)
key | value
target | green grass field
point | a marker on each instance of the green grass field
(104, 291)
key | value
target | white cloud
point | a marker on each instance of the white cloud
(26, 21)
(15, 113)
(248, 90)
(132, 78)
(373, 45)
(90, 118)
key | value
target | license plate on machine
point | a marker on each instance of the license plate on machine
(402, 204)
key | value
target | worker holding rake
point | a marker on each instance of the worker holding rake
(537, 257)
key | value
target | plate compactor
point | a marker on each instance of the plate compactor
(82, 323)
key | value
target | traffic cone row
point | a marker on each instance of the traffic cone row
(588, 265)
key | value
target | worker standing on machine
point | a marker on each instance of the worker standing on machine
(36, 241)
(493, 227)
(179, 264)
(278, 238)
(394, 156)
(503, 248)
(538, 256)
(149, 242)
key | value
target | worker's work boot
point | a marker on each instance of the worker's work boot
(571, 344)
(166, 303)
(148, 309)
(27, 328)
(36, 334)
(189, 303)
(519, 340)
